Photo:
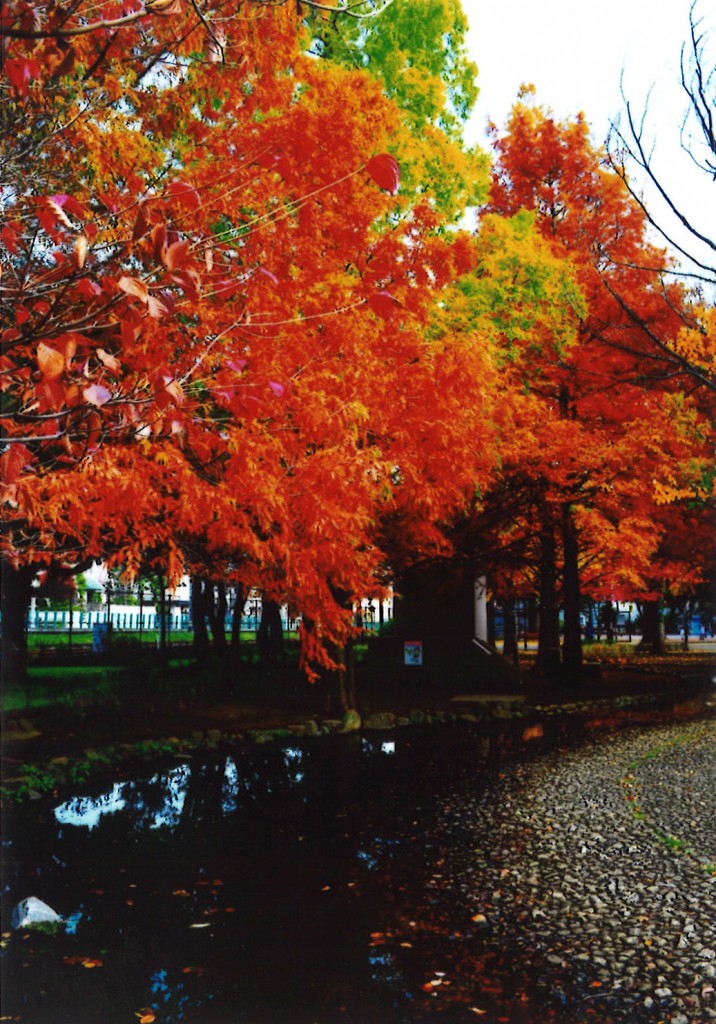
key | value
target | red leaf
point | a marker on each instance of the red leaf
(140, 224)
(185, 194)
(68, 203)
(110, 361)
(132, 286)
(176, 254)
(81, 248)
(384, 169)
(383, 304)
(159, 239)
(13, 461)
(21, 72)
(50, 361)
(11, 238)
(156, 308)
(88, 289)
(97, 394)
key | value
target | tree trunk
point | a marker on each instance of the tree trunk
(269, 637)
(652, 628)
(198, 619)
(510, 648)
(16, 584)
(548, 654)
(162, 618)
(572, 598)
(687, 626)
(216, 606)
(239, 601)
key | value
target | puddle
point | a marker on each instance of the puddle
(248, 887)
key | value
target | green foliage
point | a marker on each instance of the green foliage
(80, 771)
(416, 48)
(610, 653)
(34, 780)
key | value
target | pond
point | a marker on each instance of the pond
(273, 884)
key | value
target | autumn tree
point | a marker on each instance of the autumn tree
(215, 358)
(604, 395)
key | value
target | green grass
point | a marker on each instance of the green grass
(56, 686)
(61, 639)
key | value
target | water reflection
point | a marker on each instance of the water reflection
(170, 792)
(86, 811)
(243, 887)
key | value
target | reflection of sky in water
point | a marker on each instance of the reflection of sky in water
(293, 756)
(87, 811)
(253, 783)
(176, 784)
(386, 747)
(230, 789)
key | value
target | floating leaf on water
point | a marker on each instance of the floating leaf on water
(85, 961)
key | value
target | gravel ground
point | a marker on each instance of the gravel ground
(601, 884)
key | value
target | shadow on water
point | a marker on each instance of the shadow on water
(264, 883)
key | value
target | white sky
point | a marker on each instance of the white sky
(575, 53)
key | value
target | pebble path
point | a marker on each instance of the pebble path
(601, 880)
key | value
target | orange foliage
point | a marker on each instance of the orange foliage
(218, 355)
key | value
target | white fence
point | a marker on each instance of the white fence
(48, 621)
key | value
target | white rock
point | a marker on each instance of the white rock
(32, 911)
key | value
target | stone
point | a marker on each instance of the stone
(351, 721)
(34, 913)
(380, 720)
